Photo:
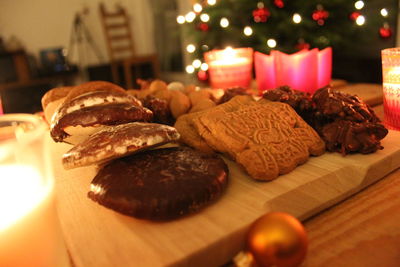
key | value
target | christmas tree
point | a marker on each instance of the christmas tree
(283, 25)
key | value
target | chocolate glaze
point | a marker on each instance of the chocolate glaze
(117, 141)
(160, 184)
(110, 114)
(343, 121)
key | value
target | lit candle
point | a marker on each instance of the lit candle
(230, 67)
(391, 87)
(306, 70)
(29, 231)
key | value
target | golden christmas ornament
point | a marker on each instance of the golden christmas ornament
(277, 239)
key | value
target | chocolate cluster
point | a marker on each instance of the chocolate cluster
(344, 122)
(231, 93)
(160, 108)
(300, 101)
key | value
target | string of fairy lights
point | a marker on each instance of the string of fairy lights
(319, 15)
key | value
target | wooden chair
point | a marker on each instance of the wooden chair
(121, 47)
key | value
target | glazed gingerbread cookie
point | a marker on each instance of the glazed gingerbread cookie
(161, 184)
(118, 141)
(85, 114)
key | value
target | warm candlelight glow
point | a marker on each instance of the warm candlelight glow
(391, 87)
(306, 70)
(21, 191)
(230, 61)
(29, 231)
(230, 67)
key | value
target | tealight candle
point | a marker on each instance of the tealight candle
(391, 87)
(29, 230)
(230, 67)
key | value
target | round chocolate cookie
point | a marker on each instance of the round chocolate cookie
(118, 141)
(160, 184)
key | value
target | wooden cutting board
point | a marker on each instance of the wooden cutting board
(99, 237)
(370, 93)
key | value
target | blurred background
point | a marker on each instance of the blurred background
(50, 43)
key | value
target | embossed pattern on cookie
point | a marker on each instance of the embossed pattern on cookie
(266, 138)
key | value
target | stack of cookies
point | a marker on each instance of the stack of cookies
(111, 129)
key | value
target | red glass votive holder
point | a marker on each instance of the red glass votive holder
(230, 67)
(391, 87)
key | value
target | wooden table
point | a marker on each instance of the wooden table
(363, 230)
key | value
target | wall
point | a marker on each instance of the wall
(41, 24)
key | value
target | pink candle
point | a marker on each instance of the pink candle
(391, 87)
(1, 108)
(306, 70)
(230, 67)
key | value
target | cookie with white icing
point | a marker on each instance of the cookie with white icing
(82, 116)
(52, 99)
(118, 141)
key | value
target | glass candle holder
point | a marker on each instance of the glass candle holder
(30, 234)
(230, 67)
(391, 87)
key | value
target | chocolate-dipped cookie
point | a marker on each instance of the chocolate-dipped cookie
(160, 184)
(82, 116)
(117, 141)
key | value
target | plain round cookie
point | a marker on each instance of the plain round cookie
(160, 184)
(117, 141)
